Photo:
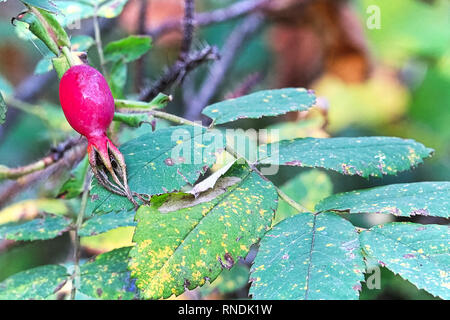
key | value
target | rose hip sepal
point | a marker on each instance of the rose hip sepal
(88, 106)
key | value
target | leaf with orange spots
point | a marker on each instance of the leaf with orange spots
(308, 257)
(406, 200)
(418, 253)
(363, 156)
(160, 162)
(261, 104)
(186, 247)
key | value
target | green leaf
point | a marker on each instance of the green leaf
(307, 188)
(105, 222)
(37, 283)
(48, 227)
(409, 199)
(160, 162)
(309, 257)
(363, 156)
(261, 104)
(3, 109)
(418, 253)
(118, 79)
(182, 249)
(73, 187)
(127, 49)
(42, 4)
(107, 277)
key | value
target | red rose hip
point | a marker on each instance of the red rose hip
(88, 106)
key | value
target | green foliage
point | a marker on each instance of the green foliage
(153, 169)
(308, 256)
(183, 243)
(38, 283)
(107, 277)
(260, 104)
(406, 200)
(365, 156)
(127, 49)
(44, 228)
(418, 253)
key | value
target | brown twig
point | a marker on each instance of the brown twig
(178, 71)
(188, 28)
(234, 11)
(56, 154)
(219, 69)
(68, 160)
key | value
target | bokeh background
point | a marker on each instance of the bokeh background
(393, 80)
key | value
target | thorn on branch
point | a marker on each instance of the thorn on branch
(178, 71)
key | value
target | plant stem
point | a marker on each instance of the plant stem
(76, 238)
(98, 40)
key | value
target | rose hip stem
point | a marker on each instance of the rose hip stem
(88, 106)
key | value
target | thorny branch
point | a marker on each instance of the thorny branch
(178, 71)
(68, 160)
(55, 155)
(186, 61)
